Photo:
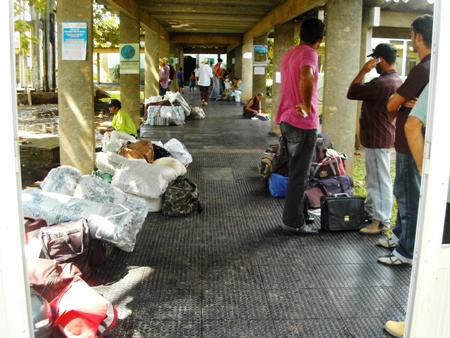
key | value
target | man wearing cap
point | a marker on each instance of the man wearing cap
(407, 177)
(122, 121)
(377, 133)
(205, 75)
(163, 76)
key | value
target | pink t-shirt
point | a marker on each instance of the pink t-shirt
(294, 59)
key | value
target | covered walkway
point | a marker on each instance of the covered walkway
(228, 271)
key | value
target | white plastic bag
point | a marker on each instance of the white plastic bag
(178, 151)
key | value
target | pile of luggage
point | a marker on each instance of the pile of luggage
(330, 189)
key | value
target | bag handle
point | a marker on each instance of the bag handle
(341, 195)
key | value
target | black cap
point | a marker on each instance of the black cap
(385, 50)
(115, 103)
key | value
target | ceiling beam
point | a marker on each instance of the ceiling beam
(206, 39)
(204, 50)
(283, 13)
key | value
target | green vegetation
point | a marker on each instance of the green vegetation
(359, 172)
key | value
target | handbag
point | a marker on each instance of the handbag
(341, 212)
(67, 242)
(330, 166)
(277, 185)
(142, 149)
(80, 311)
(48, 277)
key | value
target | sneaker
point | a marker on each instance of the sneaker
(374, 228)
(396, 329)
(254, 118)
(387, 243)
(392, 260)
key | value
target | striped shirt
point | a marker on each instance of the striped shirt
(376, 129)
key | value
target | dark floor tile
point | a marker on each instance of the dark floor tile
(312, 328)
(238, 328)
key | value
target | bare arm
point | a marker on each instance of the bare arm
(306, 89)
(249, 107)
(414, 135)
(393, 105)
(368, 66)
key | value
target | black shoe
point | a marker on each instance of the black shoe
(305, 230)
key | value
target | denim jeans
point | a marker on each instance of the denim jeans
(300, 144)
(215, 93)
(379, 184)
(407, 193)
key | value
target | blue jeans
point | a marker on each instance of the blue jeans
(407, 193)
(215, 93)
(300, 144)
(379, 184)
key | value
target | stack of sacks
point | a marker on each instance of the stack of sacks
(66, 195)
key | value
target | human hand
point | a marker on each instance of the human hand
(303, 110)
(371, 64)
(410, 103)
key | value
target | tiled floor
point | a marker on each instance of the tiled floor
(228, 271)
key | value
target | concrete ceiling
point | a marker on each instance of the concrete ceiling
(225, 23)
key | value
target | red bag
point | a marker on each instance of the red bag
(48, 278)
(80, 311)
(329, 166)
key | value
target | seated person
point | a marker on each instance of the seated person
(253, 109)
(122, 121)
(236, 89)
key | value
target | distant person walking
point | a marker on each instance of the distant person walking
(180, 80)
(163, 77)
(205, 75)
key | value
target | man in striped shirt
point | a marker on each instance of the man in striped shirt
(377, 133)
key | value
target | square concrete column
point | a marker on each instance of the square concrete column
(247, 71)
(236, 68)
(342, 60)
(259, 80)
(76, 93)
(283, 40)
(151, 63)
(130, 85)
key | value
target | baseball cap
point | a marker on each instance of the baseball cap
(205, 60)
(384, 50)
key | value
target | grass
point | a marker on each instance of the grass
(359, 172)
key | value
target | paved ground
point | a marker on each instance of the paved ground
(228, 271)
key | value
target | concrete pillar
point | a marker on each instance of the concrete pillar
(342, 59)
(237, 67)
(151, 63)
(130, 86)
(76, 93)
(247, 71)
(283, 40)
(259, 80)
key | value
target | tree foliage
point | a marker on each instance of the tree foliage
(22, 26)
(105, 27)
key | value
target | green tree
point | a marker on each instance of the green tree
(105, 27)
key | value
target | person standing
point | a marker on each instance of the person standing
(298, 119)
(192, 81)
(407, 177)
(180, 80)
(163, 77)
(377, 133)
(205, 75)
(215, 94)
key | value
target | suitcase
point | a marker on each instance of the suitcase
(341, 212)
(342, 184)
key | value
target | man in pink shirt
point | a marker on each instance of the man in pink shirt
(298, 119)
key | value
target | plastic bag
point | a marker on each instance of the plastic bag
(178, 151)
